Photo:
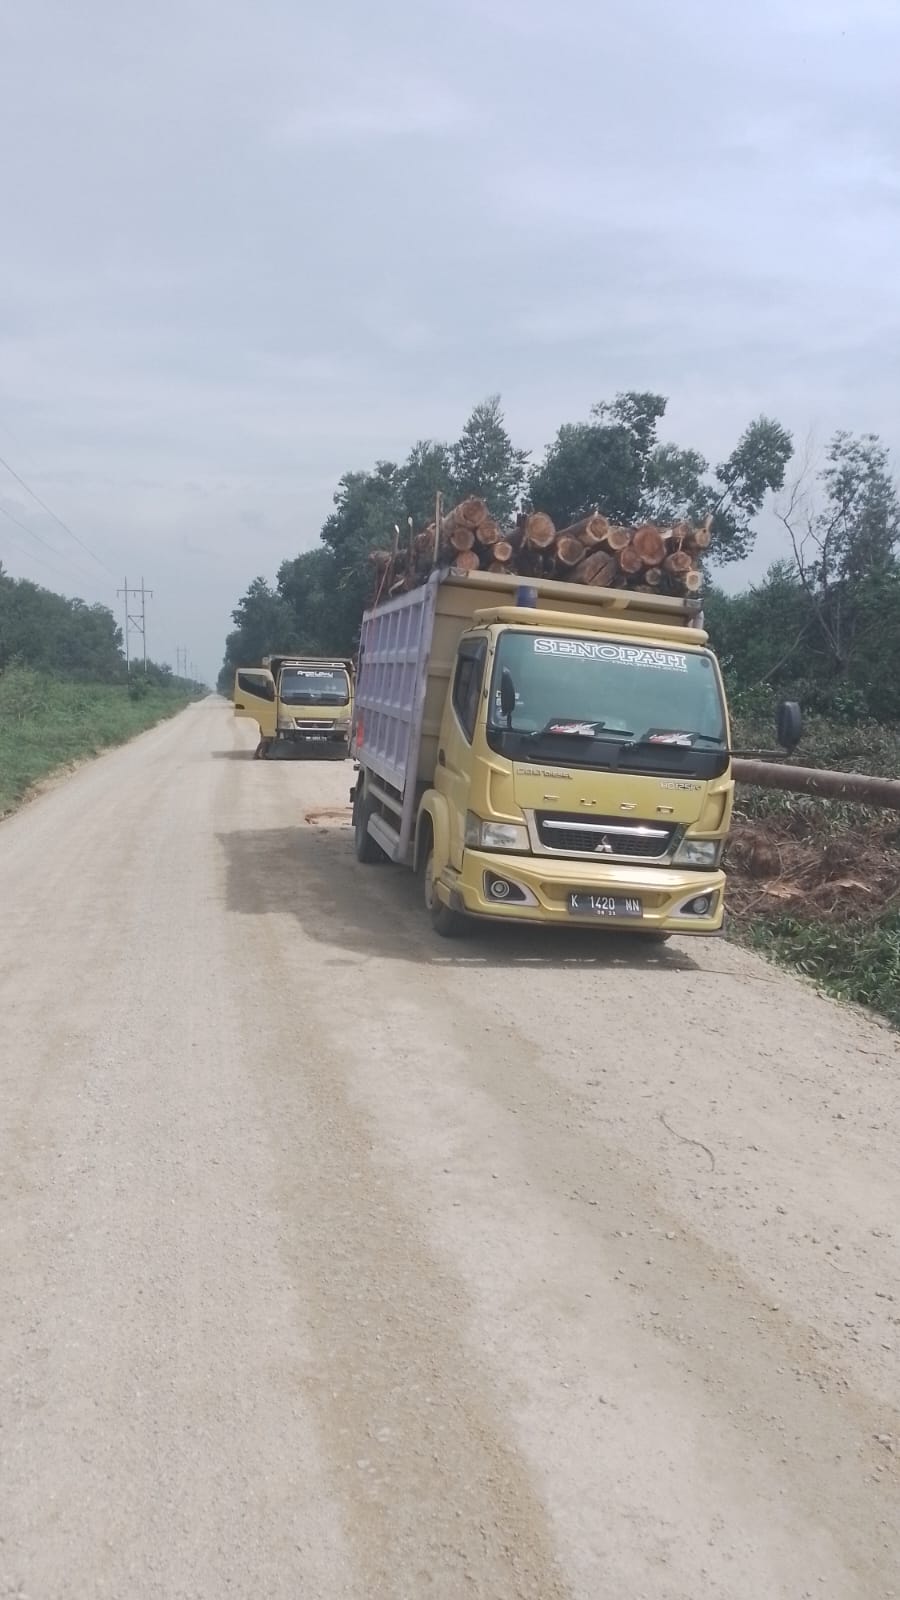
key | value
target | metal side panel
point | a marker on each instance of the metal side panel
(390, 693)
(387, 837)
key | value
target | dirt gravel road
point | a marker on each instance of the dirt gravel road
(340, 1262)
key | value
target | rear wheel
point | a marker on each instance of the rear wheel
(367, 851)
(448, 923)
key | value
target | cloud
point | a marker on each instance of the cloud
(351, 113)
(247, 248)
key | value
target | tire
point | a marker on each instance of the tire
(367, 851)
(446, 922)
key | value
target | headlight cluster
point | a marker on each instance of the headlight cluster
(698, 853)
(482, 835)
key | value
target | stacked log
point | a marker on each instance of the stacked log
(652, 558)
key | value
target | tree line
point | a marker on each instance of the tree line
(823, 624)
(65, 637)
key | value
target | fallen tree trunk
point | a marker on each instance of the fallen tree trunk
(855, 786)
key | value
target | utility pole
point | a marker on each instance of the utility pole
(119, 593)
(135, 620)
(146, 594)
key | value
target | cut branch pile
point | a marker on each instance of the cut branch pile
(652, 559)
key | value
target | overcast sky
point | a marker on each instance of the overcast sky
(246, 246)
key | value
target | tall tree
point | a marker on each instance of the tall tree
(616, 462)
(54, 634)
(427, 471)
(844, 540)
(264, 623)
(485, 461)
(368, 506)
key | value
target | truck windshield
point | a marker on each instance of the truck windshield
(575, 696)
(314, 686)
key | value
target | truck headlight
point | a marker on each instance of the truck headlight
(482, 835)
(698, 853)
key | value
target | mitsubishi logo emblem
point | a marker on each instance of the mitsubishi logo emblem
(604, 848)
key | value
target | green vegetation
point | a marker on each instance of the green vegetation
(859, 962)
(64, 691)
(47, 722)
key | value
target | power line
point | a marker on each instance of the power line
(46, 543)
(64, 525)
(39, 560)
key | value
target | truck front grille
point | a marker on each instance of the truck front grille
(603, 836)
(313, 727)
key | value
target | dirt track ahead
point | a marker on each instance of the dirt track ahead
(340, 1262)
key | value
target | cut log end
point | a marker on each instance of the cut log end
(487, 533)
(629, 561)
(466, 561)
(460, 538)
(539, 531)
(615, 537)
(569, 550)
(649, 544)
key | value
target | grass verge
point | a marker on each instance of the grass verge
(46, 723)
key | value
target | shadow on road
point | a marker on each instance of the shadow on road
(247, 753)
(312, 874)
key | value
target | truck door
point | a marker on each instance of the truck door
(457, 731)
(254, 696)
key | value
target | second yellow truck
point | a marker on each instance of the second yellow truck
(299, 703)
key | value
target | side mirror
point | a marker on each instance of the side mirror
(788, 724)
(507, 694)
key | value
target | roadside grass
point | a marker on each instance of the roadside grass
(815, 884)
(46, 723)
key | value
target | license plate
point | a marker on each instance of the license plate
(316, 738)
(584, 904)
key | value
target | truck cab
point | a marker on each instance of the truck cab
(572, 764)
(299, 703)
(580, 773)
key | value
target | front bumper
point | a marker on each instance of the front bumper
(308, 736)
(548, 882)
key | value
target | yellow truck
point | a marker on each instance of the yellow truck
(545, 753)
(299, 702)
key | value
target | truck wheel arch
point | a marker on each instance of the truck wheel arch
(434, 821)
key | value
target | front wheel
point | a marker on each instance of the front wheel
(448, 923)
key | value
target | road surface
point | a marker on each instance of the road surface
(340, 1262)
